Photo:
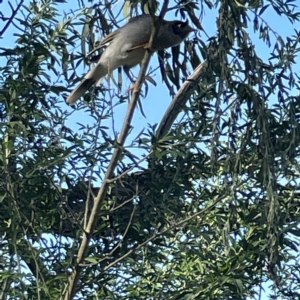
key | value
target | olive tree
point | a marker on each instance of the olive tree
(201, 204)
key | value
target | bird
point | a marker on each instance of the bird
(127, 46)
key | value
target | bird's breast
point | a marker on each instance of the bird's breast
(117, 54)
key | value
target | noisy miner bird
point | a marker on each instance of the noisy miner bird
(127, 47)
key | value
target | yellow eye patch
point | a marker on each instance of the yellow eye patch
(181, 24)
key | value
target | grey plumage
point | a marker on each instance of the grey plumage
(127, 46)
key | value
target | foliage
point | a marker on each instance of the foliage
(207, 211)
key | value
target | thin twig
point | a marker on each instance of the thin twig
(122, 239)
(10, 20)
(156, 235)
(130, 169)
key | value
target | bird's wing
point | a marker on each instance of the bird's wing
(145, 46)
(109, 38)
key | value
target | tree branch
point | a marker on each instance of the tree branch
(73, 279)
(180, 99)
(202, 213)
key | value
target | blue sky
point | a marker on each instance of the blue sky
(158, 99)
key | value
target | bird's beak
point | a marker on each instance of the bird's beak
(189, 28)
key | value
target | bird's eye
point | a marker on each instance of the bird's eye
(181, 24)
(179, 27)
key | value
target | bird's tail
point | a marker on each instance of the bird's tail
(89, 79)
(80, 90)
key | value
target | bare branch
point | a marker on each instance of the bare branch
(180, 99)
(88, 232)
(10, 20)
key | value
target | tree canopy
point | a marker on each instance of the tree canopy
(201, 204)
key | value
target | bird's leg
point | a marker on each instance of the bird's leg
(127, 71)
